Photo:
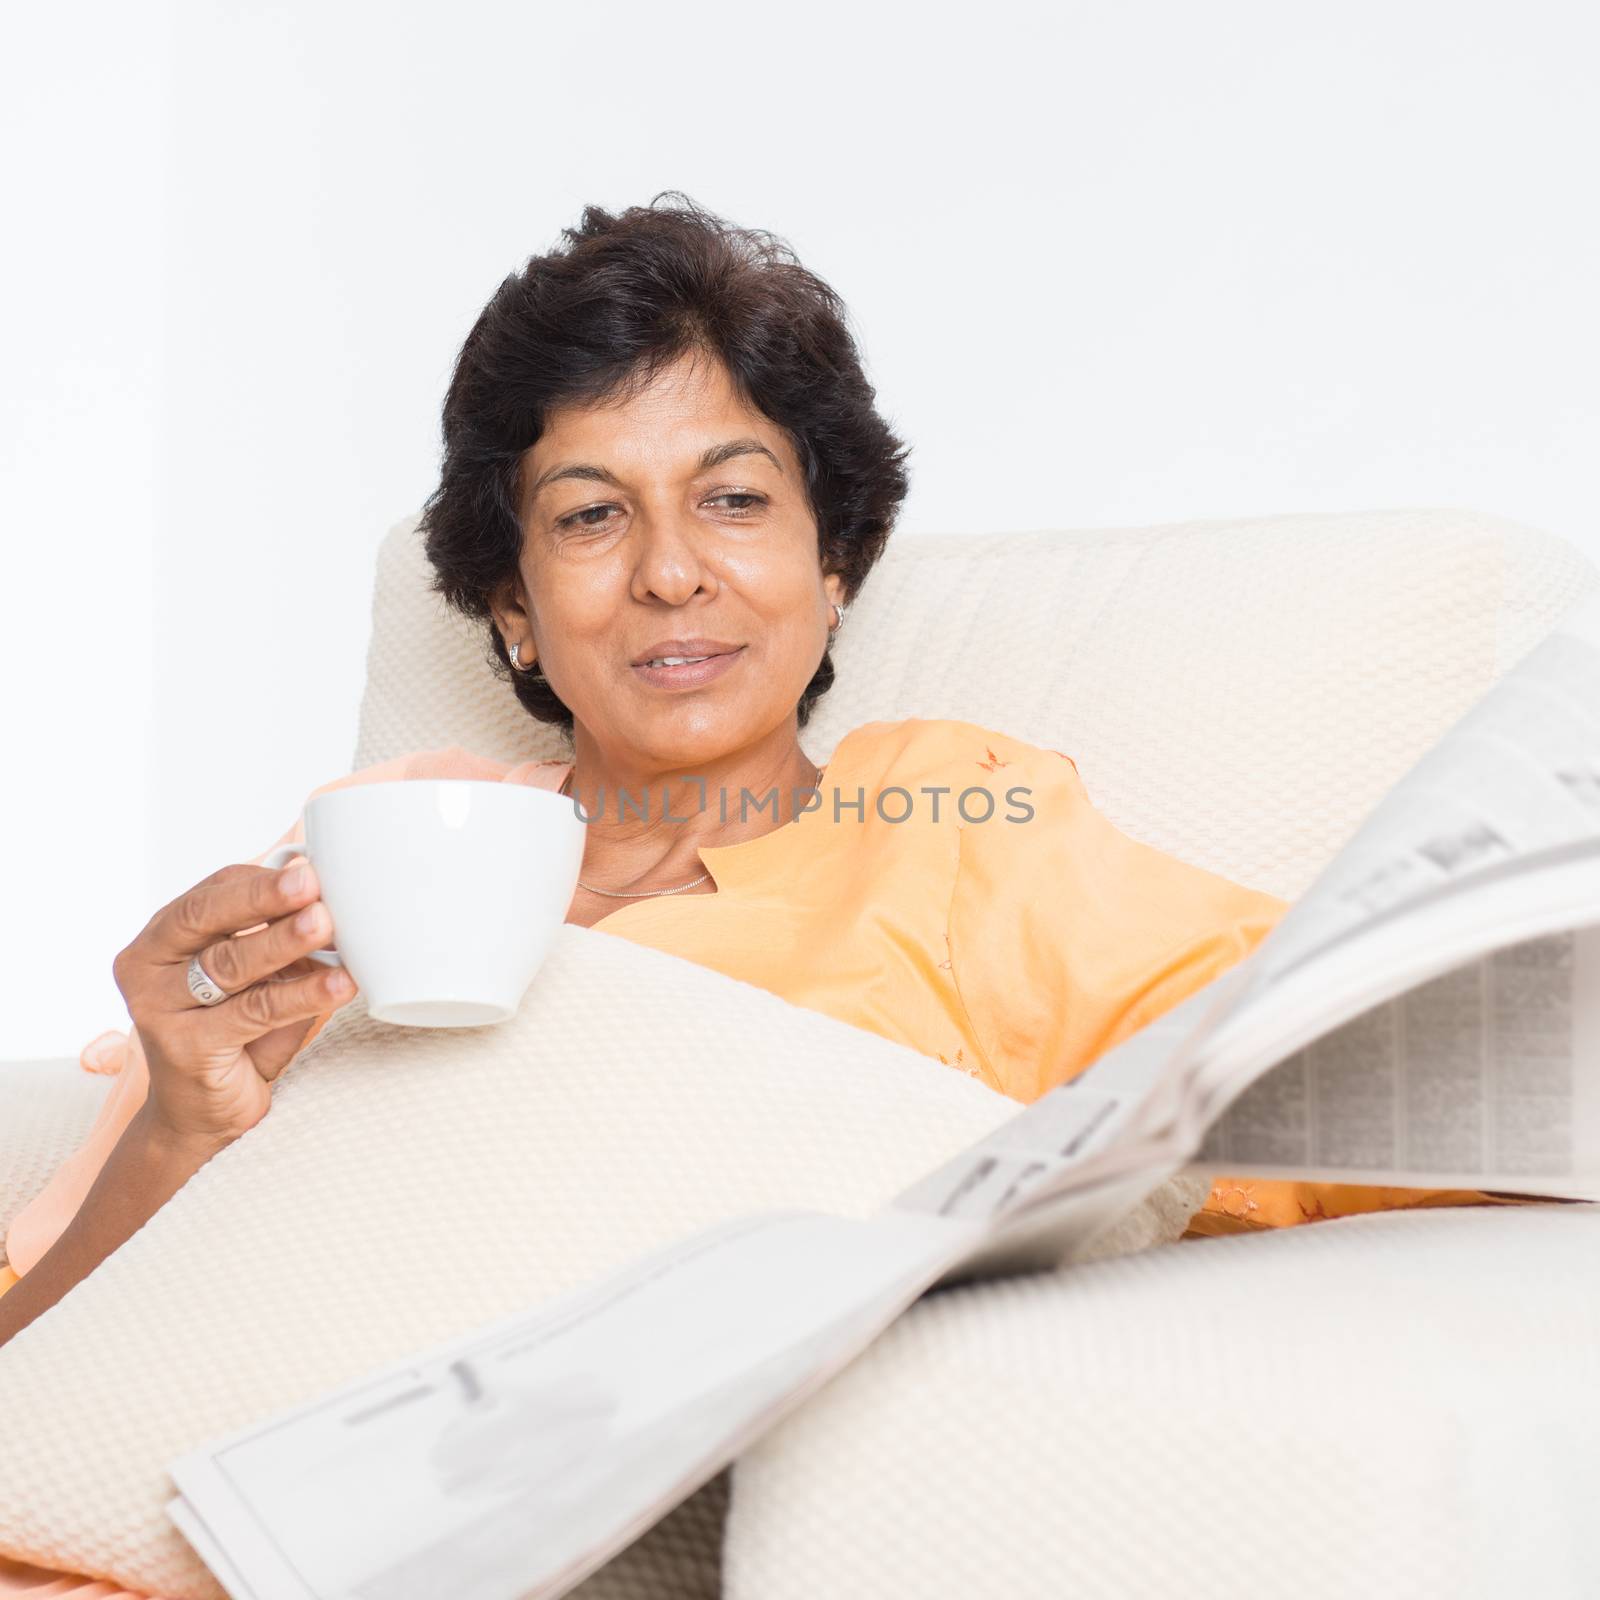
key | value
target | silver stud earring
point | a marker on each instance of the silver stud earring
(839, 619)
(532, 671)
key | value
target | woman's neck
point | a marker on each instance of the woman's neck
(645, 831)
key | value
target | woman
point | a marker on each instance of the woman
(664, 479)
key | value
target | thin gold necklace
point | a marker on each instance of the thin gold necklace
(644, 894)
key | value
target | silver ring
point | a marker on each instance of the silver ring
(201, 986)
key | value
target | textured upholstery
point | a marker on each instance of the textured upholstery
(1396, 1404)
(411, 1184)
(1237, 693)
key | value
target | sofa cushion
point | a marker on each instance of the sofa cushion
(1242, 691)
(412, 1184)
(1404, 1403)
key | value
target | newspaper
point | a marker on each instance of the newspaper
(516, 1460)
(1427, 1013)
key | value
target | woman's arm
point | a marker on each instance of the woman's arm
(146, 1167)
(116, 1151)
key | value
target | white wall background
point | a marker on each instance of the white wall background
(1114, 263)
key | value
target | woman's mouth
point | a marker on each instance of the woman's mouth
(678, 672)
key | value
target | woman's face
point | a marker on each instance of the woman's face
(677, 514)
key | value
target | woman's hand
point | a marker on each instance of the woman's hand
(212, 1067)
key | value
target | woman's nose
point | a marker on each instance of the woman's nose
(669, 559)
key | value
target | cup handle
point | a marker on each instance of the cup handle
(281, 857)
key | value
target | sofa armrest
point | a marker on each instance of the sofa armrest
(46, 1111)
(1400, 1402)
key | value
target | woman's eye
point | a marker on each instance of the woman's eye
(578, 518)
(740, 494)
(596, 516)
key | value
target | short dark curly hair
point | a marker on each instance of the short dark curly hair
(596, 319)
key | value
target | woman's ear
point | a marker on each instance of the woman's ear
(510, 612)
(833, 588)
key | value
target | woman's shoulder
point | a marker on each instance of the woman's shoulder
(447, 761)
(439, 761)
(897, 750)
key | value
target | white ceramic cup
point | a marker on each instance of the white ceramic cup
(445, 893)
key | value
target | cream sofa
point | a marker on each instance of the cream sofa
(1405, 1403)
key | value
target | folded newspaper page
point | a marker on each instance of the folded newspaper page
(1427, 1013)
(513, 1462)
(1456, 933)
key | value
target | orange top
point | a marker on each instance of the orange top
(1017, 949)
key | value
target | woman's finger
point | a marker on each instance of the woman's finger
(273, 1051)
(235, 897)
(247, 1016)
(233, 964)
